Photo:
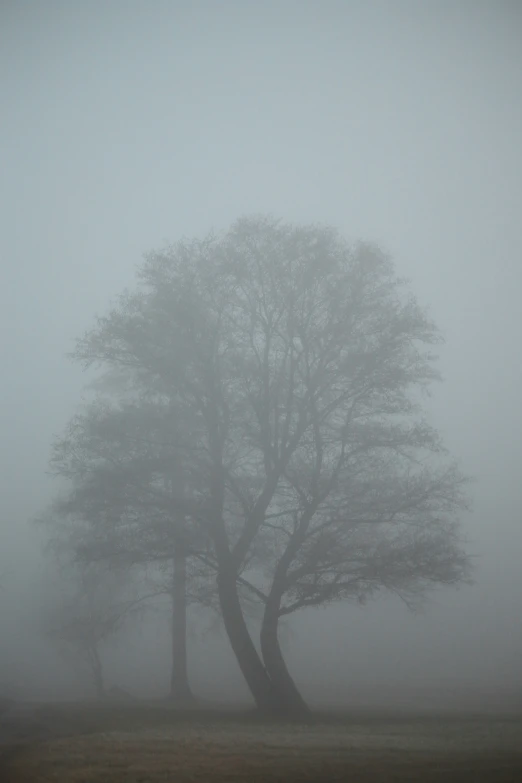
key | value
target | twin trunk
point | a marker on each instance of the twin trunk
(268, 679)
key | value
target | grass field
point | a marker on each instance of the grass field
(152, 744)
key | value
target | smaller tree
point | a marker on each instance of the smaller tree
(6, 688)
(122, 468)
(93, 607)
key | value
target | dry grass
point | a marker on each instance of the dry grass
(137, 746)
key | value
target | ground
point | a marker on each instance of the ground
(149, 744)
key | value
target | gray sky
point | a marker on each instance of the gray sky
(125, 124)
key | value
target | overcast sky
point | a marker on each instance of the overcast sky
(125, 124)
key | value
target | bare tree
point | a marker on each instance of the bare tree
(122, 466)
(298, 360)
(7, 687)
(93, 607)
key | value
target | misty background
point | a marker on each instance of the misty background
(126, 124)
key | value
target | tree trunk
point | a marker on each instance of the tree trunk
(265, 695)
(179, 683)
(249, 660)
(293, 702)
(270, 647)
(97, 671)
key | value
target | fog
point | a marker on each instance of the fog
(127, 124)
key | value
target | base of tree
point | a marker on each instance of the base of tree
(115, 694)
(284, 713)
(182, 698)
(287, 710)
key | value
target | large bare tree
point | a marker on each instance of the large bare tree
(299, 361)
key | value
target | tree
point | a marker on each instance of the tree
(93, 607)
(298, 360)
(6, 687)
(121, 464)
